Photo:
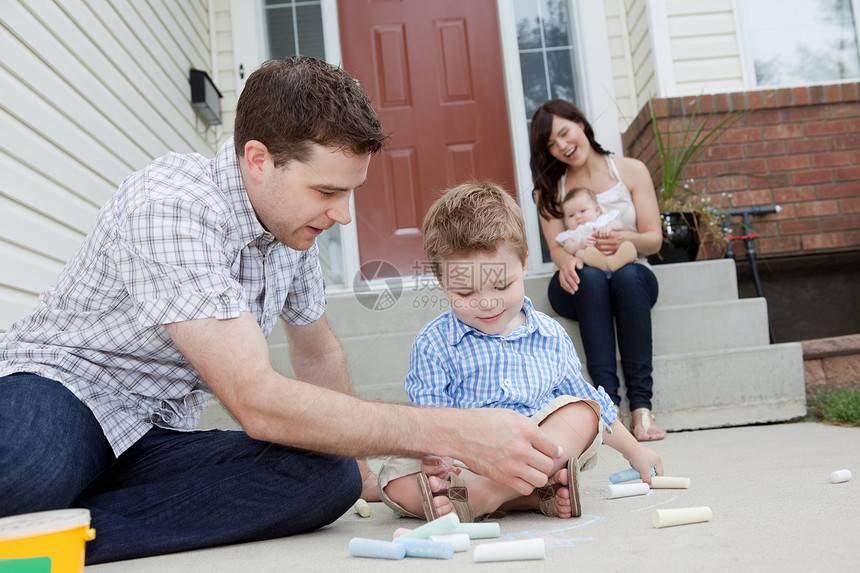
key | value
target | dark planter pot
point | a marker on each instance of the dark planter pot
(680, 240)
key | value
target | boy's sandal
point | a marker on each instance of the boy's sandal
(643, 418)
(547, 494)
(456, 492)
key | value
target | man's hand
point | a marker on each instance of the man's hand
(505, 447)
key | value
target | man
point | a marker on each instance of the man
(171, 298)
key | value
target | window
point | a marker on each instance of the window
(295, 27)
(795, 42)
(546, 51)
(547, 60)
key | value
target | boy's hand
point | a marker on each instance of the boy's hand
(642, 459)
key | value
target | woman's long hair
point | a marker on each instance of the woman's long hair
(546, 169)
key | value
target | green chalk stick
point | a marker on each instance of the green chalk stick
(441, 526)
(486, 530)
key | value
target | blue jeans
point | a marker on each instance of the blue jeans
(171, 491)
(626, 297)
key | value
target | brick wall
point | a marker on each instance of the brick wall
(797, 147)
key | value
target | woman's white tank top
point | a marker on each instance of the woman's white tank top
(616, 197)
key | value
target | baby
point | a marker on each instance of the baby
(584, 220)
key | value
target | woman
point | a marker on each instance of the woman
(564, 155)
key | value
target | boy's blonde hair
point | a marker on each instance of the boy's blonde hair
(476, 217)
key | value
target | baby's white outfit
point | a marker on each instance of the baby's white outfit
(585, 230)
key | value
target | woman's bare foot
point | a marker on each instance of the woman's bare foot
(645, 427)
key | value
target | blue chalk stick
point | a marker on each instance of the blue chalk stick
(628, 475)
(362, 547)
(425, 548)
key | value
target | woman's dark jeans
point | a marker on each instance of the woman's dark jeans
(171, 491)
(627, 297)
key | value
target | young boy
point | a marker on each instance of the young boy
(492, 349)
(584, 219)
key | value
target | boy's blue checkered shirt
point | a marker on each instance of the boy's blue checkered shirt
(455, 365)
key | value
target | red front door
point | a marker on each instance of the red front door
(434, 71)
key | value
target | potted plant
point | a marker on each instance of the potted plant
(688, 218)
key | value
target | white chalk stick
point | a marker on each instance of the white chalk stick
(840, 476)
(663, 482)
(361, 547)
(438, 526)
(361, 508)
(509, 551)
(460, 541)
(684, 516)
(617, 490)
(483, 530)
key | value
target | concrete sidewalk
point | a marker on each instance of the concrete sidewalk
(774, 509)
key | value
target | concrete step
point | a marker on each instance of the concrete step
(729, 388)
(708, 389)
(696, 282)
(383, 357)
(411, 306)
(713, 365)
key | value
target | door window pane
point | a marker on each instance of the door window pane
(792, 42)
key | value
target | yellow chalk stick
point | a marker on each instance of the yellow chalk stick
(362, 508)
(663, 482)
(684, 516)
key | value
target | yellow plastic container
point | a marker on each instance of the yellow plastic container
(60, 535)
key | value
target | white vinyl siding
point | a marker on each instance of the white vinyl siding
(624, 80)
(704, 45)
(639, 32)
(225, 72)
(90, 90)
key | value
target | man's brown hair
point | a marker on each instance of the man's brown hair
(476, 217)
(289, 104)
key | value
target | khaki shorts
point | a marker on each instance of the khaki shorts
(396, 467)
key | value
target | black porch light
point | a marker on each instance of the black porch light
(205, 97)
